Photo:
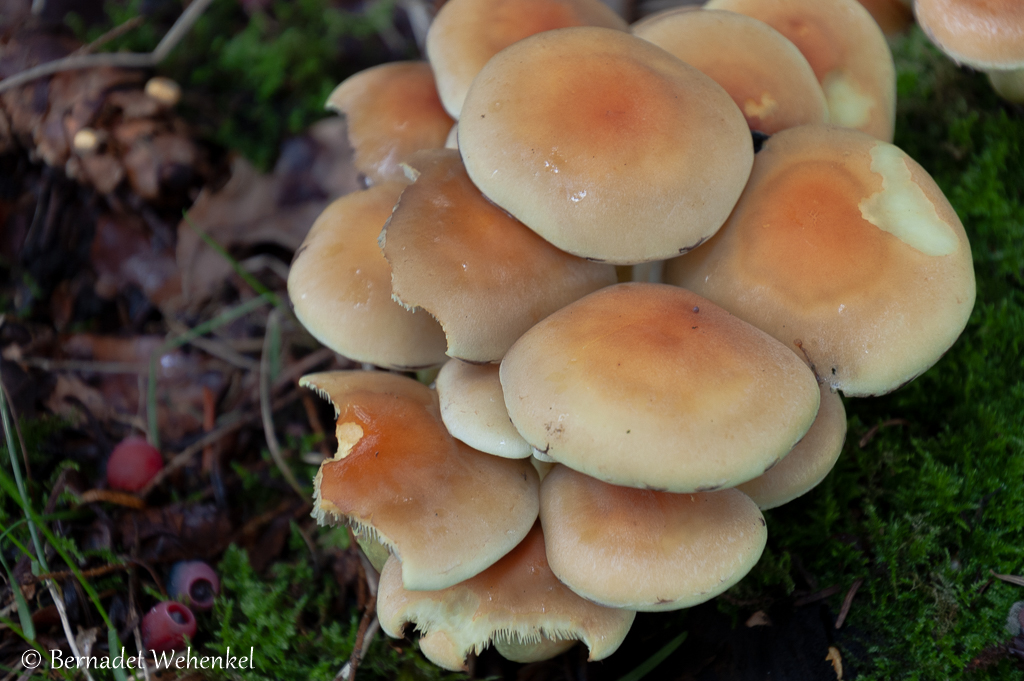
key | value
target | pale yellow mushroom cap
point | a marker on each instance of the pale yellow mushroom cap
(465, 34)
(845, 249)
(480, 272)
(340, 287)
(391, 110)
(518, 604)
(846, 49)
(648, 385)
(809, 461)
(763, 72)
(473, 409)
(645, 550)
(447, 511)
(605, 145)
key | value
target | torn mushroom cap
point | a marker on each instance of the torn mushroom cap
(340, 287)
(847, 51)
(810, 460)
(465, 34)
(605, 145)
(763, 72)
(517, 602)
(473, 409)
(846, 250)
(985, 35)
(447, 511)
(391, 110)
(480, 272)
(645, 550)
(647, 385)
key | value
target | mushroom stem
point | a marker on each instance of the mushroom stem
(1008, 84)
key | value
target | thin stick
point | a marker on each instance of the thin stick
(818, 596)
(182, 458)
(112, 34)
(86, 366)
(1012, 579)
(847, 602)
(216, 348)
(116, 59)
(273, 324)
(364, 636)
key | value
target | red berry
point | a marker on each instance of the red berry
(132, 464)
(165, 627)
(195, 583)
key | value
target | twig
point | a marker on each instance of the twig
(116, 59)
(223, 318)
(368, 626)
(818, 596)
(847, 602)
(112, 34)
(216, 348)
(302, 367)
(82, 365)
(870, 435)
(182, 458)
(1012, 579)
(125, 499)
(273, 325)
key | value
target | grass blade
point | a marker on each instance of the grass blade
(654, 660)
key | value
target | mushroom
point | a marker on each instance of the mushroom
(473, 409)
(340, 287)
(893, 16)
(988, 36)
(847, 51)
(465, 34)
(604, 144)
(810, 460)
(391, 110)
(647, 385)
(763, 72)
(645, 550)
(845, 249)
(446, 511)
(480, 272)
(517, 604)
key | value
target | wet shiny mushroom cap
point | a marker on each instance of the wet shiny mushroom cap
(847, 51)
(465, 34)
(645, 550)
(473, 409)
(845, 249)
(517, 604)
(445, 510)
(985, 34)
(391, 110)
(809, 461)
(651, 386)
(604, 144)
(340, 287)
(480, 272)
(763, 72)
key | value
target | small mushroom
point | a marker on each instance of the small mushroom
(651, 386)
(465, 34)
(763, 72)
(445, 510)
(847, 51)
(605, 145)
(473, 409)
(845, 249)
(340, 287)
(480, 272)
(391, 110)
(808, 462)
(988, 36)
(517, 604)
(645, 550)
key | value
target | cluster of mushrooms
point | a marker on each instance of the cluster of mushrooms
(643, 326)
